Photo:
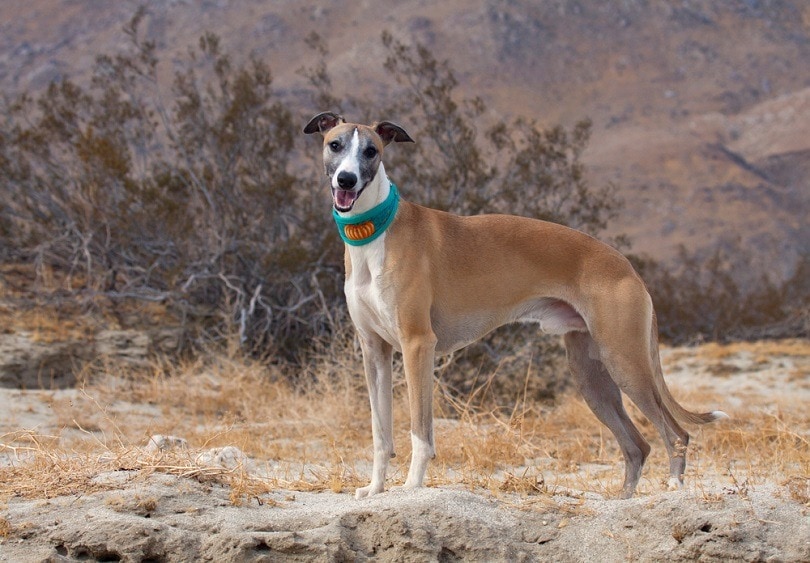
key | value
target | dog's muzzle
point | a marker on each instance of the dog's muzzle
(345, 194)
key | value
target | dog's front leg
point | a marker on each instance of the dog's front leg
(377, 358)
(418, 356)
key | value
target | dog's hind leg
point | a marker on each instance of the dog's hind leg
(377, 362)
(605, 400)
(648, 399)
(634, 373)
(624, 330)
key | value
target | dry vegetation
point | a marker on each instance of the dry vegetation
(316, 436)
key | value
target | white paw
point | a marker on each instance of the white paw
(368, 491)
(410, 485)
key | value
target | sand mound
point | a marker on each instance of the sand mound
(170, 518)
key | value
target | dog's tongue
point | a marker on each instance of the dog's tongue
(344, 199)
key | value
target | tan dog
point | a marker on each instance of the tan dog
(424, 282)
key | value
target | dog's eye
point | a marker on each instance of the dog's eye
(335, 146)
(370, 152)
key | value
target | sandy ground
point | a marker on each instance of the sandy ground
(192, 522)
(154, 516)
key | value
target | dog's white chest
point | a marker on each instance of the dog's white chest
(369, 298)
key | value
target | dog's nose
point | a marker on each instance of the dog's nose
(346, 180)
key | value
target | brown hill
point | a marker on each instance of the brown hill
(699, 108)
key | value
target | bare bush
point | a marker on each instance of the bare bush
(701, 299)
(189, 202)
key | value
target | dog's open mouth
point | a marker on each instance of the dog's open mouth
(344, 199)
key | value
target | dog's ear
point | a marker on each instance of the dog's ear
(323, 122)
(391, 132)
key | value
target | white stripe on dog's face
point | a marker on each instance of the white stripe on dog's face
(351, 156)
(349, 163)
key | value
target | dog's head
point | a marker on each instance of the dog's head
(352, 153)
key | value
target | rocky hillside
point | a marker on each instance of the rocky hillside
(700, 108)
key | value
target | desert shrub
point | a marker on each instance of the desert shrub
(461, 164)
(700, 299)
(189, 202)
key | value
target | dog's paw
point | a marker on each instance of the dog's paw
(411, 485)
(368, 491)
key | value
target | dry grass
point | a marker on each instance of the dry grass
(48, 471)
(797, 347)
(315, 435)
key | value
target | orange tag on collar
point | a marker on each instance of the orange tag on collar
(360, 231)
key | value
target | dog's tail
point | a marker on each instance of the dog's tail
(669, 402)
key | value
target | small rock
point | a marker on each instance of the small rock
(227, 456)
(160, 443)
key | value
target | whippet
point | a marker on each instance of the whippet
(425, 282)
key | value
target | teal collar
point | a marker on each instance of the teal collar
(361, 229)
